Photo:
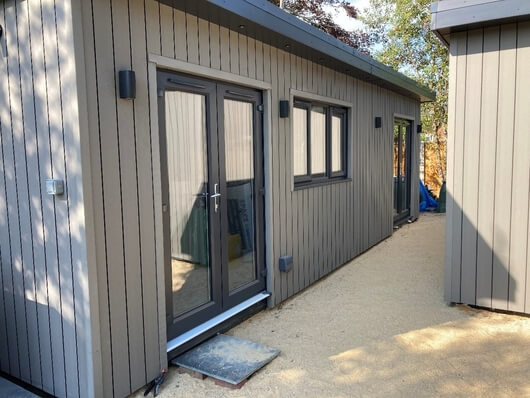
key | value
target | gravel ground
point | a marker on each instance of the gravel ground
(378, 327)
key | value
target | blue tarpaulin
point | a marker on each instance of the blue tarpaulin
(427, 202)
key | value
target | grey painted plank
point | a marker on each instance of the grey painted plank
(152, 14)
(471, 162)
(4, 262)
(167, 43)
(97, 185)
(371, 133)
(7, 180)
(287, 170)
(55, 266)
(486, 180)
(356, 168)
(204, 42)
(115, 267)
(234, 51)
(45, 219)
(145, 194)
(129, 197)
(280, 148)
(243, 54)
(251, 56)
(520, 176)
(260, 61)
(458, 167)
(74, 182)
(503, 177)
(11, 160)
(192, 38)
(27, 185)
(215, 54)
(224, 38)
(179, 34)
(275, 175)
(451, 126)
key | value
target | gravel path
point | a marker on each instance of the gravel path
(378, 327)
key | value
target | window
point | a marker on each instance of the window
(319, 142)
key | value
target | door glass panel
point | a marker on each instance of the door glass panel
(187, 161)
(318, 140)
(300, 141)
(239, 155)
(403, 168)
(336, 141)
(396, 166)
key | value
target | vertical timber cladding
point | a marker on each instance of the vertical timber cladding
(488, 181)
(322, 227)
(44, 306)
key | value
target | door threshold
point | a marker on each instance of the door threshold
(215, 321)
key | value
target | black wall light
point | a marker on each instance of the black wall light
(284, 108)
(127, 84)
(419, 128)
(378, 122)
(1, 31)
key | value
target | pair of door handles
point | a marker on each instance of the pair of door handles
(215, 196)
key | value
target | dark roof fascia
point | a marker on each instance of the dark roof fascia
(450, 16)
(272, 25)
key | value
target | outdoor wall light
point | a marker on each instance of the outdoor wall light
(1, 31)
(378, 122)
(127, 84)
(284, 108)
(419, 128)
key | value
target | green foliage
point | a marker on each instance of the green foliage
(317, 13)
(406, 43)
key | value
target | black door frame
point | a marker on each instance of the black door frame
(404, 209)
(222, 300)
(254, 97)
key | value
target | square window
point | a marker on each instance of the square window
(319, 143)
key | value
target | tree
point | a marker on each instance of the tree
(319, 13)
(401, 29)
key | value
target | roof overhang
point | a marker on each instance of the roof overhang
(272, 25)
(450, 16)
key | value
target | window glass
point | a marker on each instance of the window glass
(336, 143)
(300, 141)
(318, 140)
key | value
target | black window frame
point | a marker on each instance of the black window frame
(330, 110)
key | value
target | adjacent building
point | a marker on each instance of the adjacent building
(488, 239)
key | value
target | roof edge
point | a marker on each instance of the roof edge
(449, 16)
(297, 33)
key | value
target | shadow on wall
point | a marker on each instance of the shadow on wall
(478, 268)
(44, 301)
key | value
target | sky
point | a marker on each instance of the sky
(348, 23)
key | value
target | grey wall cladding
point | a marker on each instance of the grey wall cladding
(322, 227)
(489, 168)
(44, 315)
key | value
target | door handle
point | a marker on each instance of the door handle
(215, 196)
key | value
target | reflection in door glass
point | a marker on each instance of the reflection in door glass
(239, 150)
(396, 166)
(403, 168)
(188, 199)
